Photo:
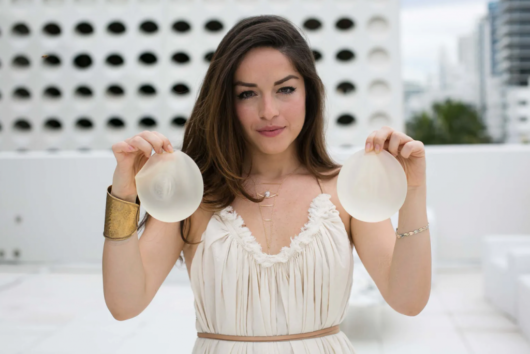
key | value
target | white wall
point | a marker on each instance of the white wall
(475, 190)
(52, 205)
(375, 69)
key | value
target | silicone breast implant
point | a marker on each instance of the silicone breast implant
(170, 186)
(372, 186)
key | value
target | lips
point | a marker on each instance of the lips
(270, 129)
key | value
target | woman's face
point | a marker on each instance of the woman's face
(269, 92)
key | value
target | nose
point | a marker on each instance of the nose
(268, 107)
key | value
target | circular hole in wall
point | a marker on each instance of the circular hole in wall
(52, 92)
(379, 120)
(21, 93)
(181, 26)
(379, 59)
(345, 87)
(378, 28)
(344, 24)
(21, 61)
(53, 124)
(147, 90)
(379, 91)
(115, 60)
(345, 55)
(83, 91)
(317, 55)
(20, 29)
(51, 29)
(312, 24)
(213, 26)
(116, 27)
(84, 123)
(52, 60)
(83, 61)
(147, 123)
(115, 123)
(180, 58)
(115, 91)
(209, 56)
(345, 119)
(179, 121)
(180, 89)
(148, 27)
(147, 58)
(21, 125)
(84, 28)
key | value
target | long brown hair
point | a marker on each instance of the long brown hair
(213, 135)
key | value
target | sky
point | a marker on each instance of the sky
(429, 25)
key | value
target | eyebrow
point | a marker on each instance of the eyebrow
(276, 83)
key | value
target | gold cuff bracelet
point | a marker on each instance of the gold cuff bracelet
(121, 217)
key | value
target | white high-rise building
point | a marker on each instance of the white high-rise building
(117, 67)
(512, 64)
(490, 87)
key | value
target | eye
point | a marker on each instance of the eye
(290, 88)
(243, 96)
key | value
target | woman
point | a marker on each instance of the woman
(269, 250)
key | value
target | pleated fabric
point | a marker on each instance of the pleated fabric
(239, 290)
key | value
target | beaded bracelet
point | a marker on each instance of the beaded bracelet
(417, 231)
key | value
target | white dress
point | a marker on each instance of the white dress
(239, 290)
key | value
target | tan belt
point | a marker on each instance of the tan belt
(314, 334)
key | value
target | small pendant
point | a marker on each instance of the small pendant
(267, 194)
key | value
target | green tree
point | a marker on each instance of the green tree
(451, 122)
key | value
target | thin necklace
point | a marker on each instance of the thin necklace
(269, 195)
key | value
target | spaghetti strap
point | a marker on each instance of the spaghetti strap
(320, 185)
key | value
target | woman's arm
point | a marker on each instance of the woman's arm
(410, 270)
(134, 269)
(401, 268)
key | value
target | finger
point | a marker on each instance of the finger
(411, 147)
(155, 141)
(380, 137)
(393, 144)
(370, 141)
(141, 144)
(166, 143)
(396, 140)
(122, 147)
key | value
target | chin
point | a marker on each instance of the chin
(272, 146)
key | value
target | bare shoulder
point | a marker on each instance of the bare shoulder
(330, 187)
(199, 220)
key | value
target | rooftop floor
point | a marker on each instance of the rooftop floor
(59, 310)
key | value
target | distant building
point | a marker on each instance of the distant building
(511, 63)
(490, 85)
(491, 74)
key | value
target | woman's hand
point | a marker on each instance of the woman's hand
(409, 152)
(131, 155)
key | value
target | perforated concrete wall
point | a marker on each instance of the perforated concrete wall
(117, 67)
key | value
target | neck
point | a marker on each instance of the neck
(272, 167)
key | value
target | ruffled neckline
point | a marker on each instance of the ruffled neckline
(321, 207)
